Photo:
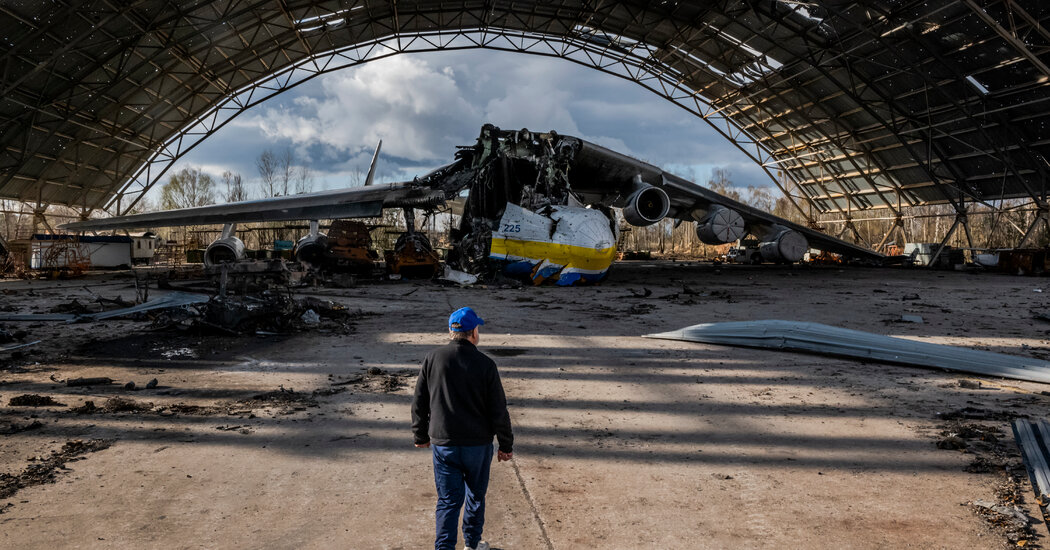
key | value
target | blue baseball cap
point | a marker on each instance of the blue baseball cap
(464, 320)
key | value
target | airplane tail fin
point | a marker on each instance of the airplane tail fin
(372, 168)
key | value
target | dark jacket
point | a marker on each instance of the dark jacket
(459, 399)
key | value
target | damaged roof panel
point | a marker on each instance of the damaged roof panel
(930, 80)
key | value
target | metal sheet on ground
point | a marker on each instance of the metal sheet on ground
(826, 339)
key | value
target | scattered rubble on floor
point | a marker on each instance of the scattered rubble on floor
(43, 469)
(285, 401)
(11, 341)
(168, 301)
(266, 313)
(269, 311)
(113, 405)
(978, 433)
(376, 379)
(1008, 519)
(1032, 438)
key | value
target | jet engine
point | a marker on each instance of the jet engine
(720, 225)
(312, 249)
(783, 245)
(223, 251)
(646, 206)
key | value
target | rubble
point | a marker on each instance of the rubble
(33, 400)
(375, 379)
(984, 441)
(43, 471)
(1011, 520)
(113, 405)
(268, 312)
(286, 401)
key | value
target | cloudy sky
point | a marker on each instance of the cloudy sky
(423, 105)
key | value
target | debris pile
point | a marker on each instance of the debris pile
(266, 313)
(977, 432)
(113, 405)
(375, 379)
(33, 400)
(14, 340)
(1010, 520)
(43, 471)
(285, 401)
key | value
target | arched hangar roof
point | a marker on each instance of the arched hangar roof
(860, 105)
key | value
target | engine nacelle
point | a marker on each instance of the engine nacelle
(224, 251)
(312, 249)
(783, 245)
(646, 206)
(721, 225)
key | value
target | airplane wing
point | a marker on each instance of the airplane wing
(357, 202)
(690, 202)
(596, 168)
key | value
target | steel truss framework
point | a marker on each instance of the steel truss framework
(857, 105)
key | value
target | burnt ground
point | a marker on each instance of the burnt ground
(302, 440)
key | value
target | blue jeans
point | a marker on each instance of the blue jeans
(461, 472)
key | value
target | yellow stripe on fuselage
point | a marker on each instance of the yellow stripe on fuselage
(568, 255)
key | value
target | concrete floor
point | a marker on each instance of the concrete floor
(622, 442)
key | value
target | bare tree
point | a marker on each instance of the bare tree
(721, 183)
(760, 197)
(357, 177)
(304, 179)
(277, 171)
(235, 190)
(285, 169)
(267, 166)
(187, 188)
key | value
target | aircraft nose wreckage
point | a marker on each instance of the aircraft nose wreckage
(537, 206)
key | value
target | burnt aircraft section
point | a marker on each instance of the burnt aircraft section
(525, 187)
(532, 172)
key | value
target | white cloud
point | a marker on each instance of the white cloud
(424, 105)
(416, 109)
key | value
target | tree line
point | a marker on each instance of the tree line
(282, 173)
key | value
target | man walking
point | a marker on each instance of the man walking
(459, 405)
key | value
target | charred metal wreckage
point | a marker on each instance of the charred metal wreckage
(538, 206)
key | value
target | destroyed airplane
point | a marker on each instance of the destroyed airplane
(535, 206)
